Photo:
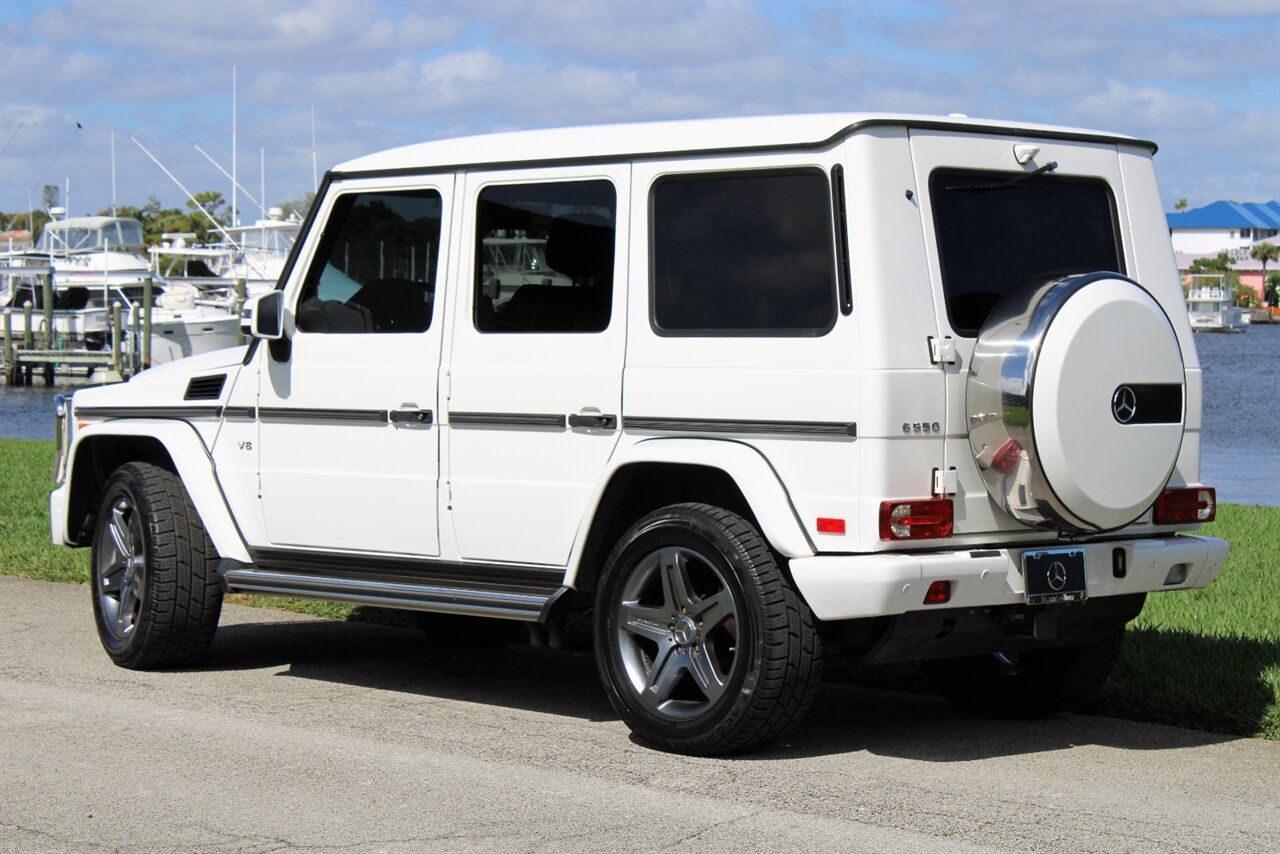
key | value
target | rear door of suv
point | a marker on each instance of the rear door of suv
(990, 225)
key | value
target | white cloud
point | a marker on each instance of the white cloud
(1203, 80)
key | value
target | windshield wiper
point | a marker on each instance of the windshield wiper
(1017, 179)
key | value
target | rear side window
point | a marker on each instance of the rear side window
(374, 270)
(994, 237)
(743, 253)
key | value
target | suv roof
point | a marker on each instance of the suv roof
(652, 139)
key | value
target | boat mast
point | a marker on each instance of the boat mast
(314, 182)
(113, 171)
(233, 146)
(226, 174)
(262, 169)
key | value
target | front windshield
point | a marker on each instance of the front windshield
(65, 237)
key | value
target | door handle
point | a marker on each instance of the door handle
(602, 422)
(409, 416)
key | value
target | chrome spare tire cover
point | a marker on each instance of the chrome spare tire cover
(1076, 402)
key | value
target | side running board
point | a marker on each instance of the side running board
(528, 603)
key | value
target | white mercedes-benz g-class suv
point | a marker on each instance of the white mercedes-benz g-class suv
(747, 391)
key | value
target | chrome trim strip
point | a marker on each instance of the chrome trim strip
(712, 425)
(182, 412)
(417, 597)
(505, 419)
(281, 413)
(412, 570)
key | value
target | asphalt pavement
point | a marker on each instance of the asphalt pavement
(312, 735)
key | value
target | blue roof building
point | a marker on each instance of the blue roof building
(1223, 226)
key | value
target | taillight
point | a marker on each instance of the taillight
(1186, 505)
(923, 519)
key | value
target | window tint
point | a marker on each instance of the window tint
(743, 253)
(375, 267)
(545, 257)
(991, 241)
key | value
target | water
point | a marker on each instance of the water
(1240, 446)
(1240, 450)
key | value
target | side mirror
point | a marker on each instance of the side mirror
(263, 316)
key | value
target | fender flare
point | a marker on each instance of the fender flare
(193, 465)
(750, 470)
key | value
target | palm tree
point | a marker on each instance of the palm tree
(1264, 252)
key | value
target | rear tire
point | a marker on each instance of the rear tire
(156, 597)
(1030, 684)
(703, 646)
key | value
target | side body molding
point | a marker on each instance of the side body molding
(747, 467)
(191, 461)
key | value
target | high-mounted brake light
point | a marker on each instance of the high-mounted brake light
(1186, 505)
(922, 519)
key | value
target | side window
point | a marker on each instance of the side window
(375, 267)
(545, 257)
(743, 253)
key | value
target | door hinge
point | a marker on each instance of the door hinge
(945, 482)
(942, 351)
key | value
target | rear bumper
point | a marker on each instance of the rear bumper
(844, 587)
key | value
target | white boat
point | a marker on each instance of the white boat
(254, 254)
(97, 261)
(1209, 306)
(77, 327)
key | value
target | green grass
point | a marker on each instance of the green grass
(1206, 659)
(1210, 658)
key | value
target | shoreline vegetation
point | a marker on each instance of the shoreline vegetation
(1202, 659)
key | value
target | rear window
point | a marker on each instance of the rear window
(992, 240)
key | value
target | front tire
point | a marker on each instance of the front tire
(703, 646)
(1029, 684)
(156, 597)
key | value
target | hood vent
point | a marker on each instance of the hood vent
(205, 388)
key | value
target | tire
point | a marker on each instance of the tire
(156, 597)
(1030, 684)
(703, 646)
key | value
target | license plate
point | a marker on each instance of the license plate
(1054, 575)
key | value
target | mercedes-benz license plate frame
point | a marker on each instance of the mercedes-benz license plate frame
(1051, 576)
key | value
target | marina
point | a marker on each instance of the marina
(86, 297)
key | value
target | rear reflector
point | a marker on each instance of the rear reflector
(830, 526)
(923, 519)
(1188, 505)
(939, 593)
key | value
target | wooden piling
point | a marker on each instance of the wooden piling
(115, 338)
(135, 318)
(239, 308)
(148, 285)
(8, 345)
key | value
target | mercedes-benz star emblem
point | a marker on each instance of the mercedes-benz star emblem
(1057, 575)
(1124, 404)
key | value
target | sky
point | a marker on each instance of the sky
(1202, 79)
